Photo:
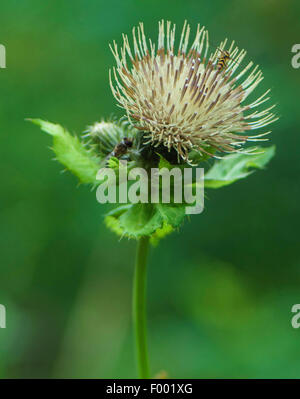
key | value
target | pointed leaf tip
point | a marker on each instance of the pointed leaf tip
(48, 127)
(234, 167)
(71, 152)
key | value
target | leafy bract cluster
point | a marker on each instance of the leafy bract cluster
(145, 219)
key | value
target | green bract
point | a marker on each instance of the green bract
(71, 152)
(237, 166)
(146, 219)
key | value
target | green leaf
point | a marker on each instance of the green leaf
(138, 220)
(112, 219)
(113, 224)
(163, 163)
(160, 233)
(172, 214)
(71, 152)
(196, 157)
(237, 166)
(141, 220)
(113, 163)
(119, 210)
(129, 228)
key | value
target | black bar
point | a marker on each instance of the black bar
(164, 388)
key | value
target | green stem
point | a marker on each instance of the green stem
(139, 306)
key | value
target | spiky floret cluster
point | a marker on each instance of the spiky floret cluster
(105, 135)
(180, 99)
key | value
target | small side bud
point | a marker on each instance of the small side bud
(105, 136)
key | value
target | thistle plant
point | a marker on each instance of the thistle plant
(181, 109)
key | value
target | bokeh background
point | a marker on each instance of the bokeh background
(220, 292)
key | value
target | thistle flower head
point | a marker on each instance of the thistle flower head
(185, 98)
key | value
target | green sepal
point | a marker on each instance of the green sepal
(71, 152)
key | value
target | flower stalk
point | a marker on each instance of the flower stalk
(139, 306)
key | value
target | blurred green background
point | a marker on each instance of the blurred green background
(220, 292)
